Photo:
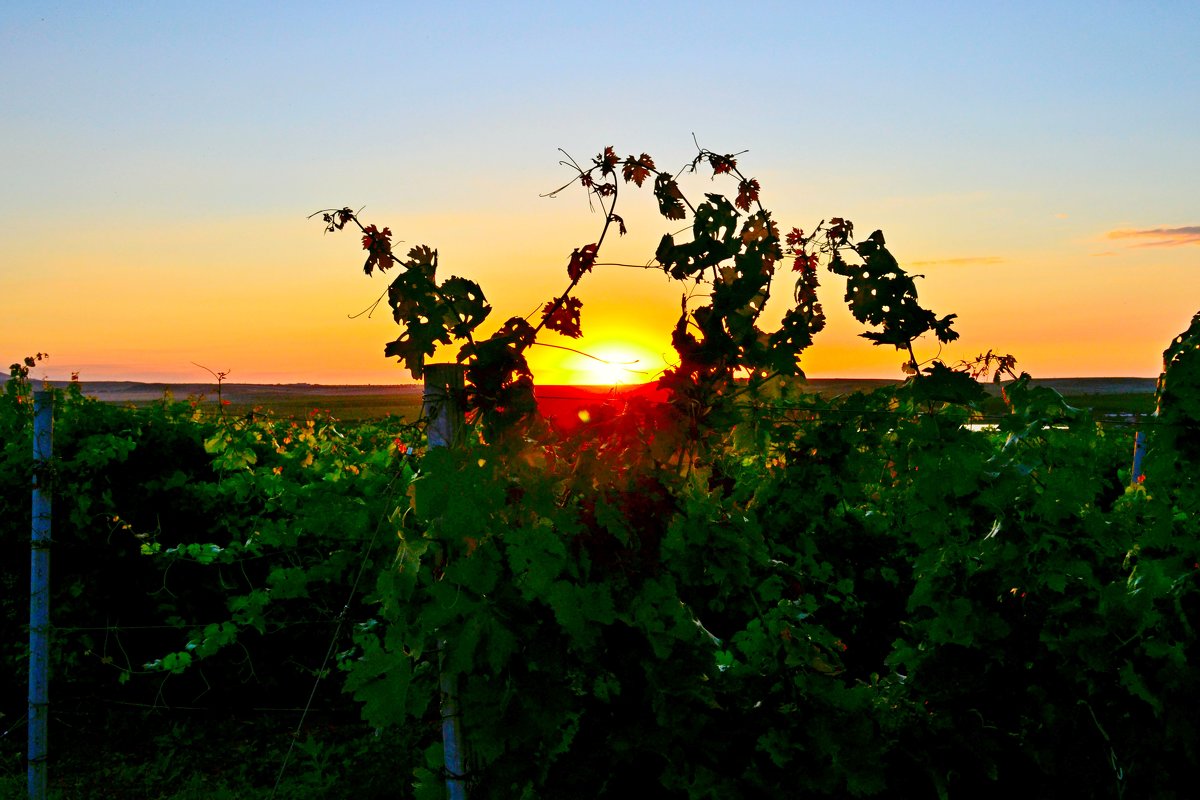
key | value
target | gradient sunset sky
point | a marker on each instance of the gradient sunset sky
(1038, 163)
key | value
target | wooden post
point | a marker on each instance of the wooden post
(441, 403)
(442, 407)
(39, 595)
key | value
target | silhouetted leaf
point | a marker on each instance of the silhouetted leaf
(941, 384)
(747, 194)
(563, 317)
(465, 304)
(721, 164)
(582, 259)
(669, 197)
(637, 170)
(607, 161)
(378, 244)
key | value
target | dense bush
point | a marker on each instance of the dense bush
(171, 531)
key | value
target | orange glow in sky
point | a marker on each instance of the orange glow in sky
(160, 164)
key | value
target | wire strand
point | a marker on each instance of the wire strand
(341, 619)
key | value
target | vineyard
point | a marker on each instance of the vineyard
(746, 589)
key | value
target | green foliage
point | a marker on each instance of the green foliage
(747, 591)
(1173, 457)
(196, 562)
(765, 593)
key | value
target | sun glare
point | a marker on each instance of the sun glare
(616, 364)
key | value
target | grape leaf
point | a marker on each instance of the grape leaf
(378, 244)
(669, 197)
(880, 293)
(637, 170)
(607, 161)
(582, 259)
(563, 317)
(840, 230)
(945, 385)
(747, 194)
(721, 164)
(713, 240)
(465, 305)
(413, 297)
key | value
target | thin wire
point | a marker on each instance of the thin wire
(15, 725)
(181, 626)
(341, 618)
(260, 710)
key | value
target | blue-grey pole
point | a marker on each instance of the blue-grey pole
(1139, 450)
(444, 385)
(39, 594)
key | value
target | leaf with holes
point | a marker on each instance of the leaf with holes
(670, 199)
(747, 194)
(582, 259)
(563, 317)
(465, 306)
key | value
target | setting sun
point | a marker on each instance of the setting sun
(616, 364)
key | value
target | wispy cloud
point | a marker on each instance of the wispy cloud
(1160, 237)
(968, 261)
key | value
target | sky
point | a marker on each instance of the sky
(1037, 163)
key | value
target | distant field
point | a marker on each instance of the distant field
(285, 400)
(1106, 397)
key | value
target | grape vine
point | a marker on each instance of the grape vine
(750, 590)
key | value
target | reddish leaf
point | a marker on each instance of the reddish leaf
(804, 262)
(637, 171)
(563, 317)
(607, 161)
(620, 223)
(840, 229)
(795, 237)
(582, 259)
(372, 235)
(747, 194)
(722, 164)
(378, 243)
(337, 220)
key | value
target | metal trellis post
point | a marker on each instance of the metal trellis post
(1139, 450)
(39, 595)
